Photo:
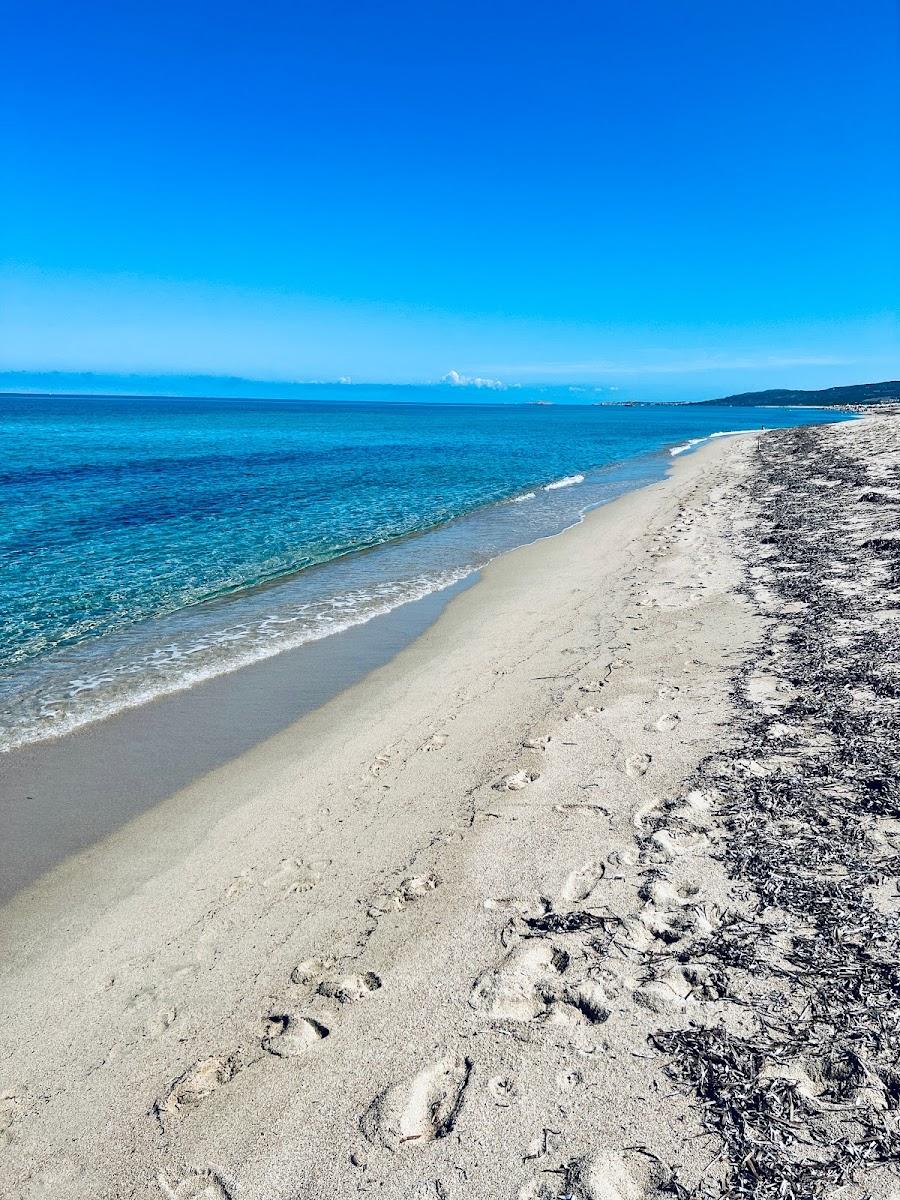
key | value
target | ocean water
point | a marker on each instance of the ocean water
(150, 543)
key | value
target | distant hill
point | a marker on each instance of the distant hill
(855, 393)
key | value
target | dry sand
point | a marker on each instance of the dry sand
(479, 926)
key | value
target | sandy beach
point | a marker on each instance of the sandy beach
(590, 892)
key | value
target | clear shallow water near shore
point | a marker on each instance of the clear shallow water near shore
(151, 543)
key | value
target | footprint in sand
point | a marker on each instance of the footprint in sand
(579, 884)
(290, 1036)
(530, 984)
(637, 765)
(622, 858)
(157, 1023)
(767, 690)
(310, 970)
(153, 1008)
(670, 913)
(320, 977)
(239, 884)
(603, 1175)
(613, 1175)
(663, 995)
(695, 809)
(665, 924)
(517, 781)
(416, 886)
(379, 762)
(679, 986)
(588, 1004)
(409, 891)
(633, 935)
(196, 1185)
(668, 691)
(196, 1083)
(347, 989)
(664, 894)
(582, 810)
(420, 1109)
(537, 743)
(295, 876)
(524, 984)
(437, 741)
(667, 846)
(667, 722)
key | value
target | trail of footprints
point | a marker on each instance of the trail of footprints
(420, 1109)
(569, 964)
(572, 963)
(285, 1034)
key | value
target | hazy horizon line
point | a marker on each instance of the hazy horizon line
(450, 381)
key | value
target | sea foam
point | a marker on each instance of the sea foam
(686, 446)
(568, 481)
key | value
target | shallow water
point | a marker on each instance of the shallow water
(151, 543)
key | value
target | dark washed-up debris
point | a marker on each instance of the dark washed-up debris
(811, 1098)
(569, 922)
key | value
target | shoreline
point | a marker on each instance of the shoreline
(112, 764)
(623, 475)
(174, 716)
(128, 665)
(456, 932)
(116, 765)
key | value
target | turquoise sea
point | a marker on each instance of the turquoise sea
(148, 543)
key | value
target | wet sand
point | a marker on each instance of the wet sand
(62, 795)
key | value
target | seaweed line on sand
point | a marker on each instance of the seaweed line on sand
(805, 1097)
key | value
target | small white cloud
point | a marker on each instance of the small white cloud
(455, 379)
(345, 379)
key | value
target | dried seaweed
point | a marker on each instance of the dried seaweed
(813, 1094)
(568, 922)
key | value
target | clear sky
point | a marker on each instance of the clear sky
(673, 197)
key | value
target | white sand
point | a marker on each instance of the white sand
(311, 974)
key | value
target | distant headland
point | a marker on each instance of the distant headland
(887, 392)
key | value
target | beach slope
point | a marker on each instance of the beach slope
(590, 892)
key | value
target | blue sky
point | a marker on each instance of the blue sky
(675, 199)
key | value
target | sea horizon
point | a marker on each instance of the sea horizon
(223, 388)
(458, 390)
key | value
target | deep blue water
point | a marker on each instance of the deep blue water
(137, 534)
